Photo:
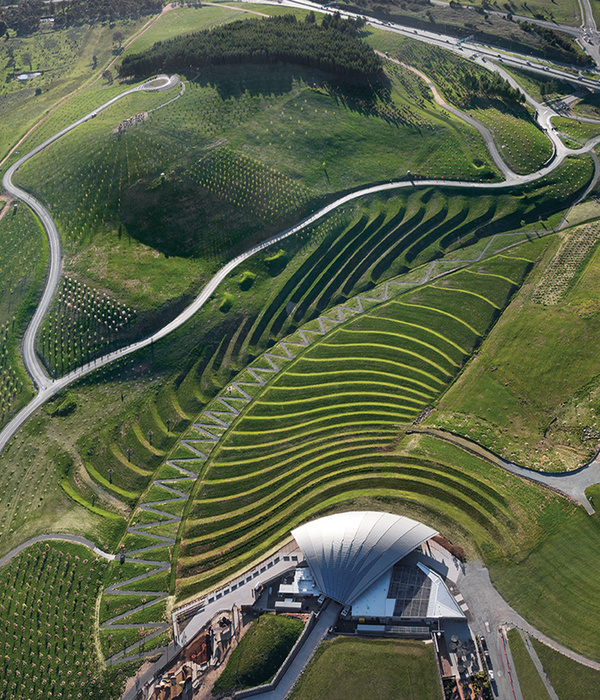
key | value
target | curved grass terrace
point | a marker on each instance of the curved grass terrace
(304, 437)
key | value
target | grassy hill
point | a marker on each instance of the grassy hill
(545, 417)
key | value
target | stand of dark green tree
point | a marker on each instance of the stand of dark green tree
(332, 46)
(25, 17)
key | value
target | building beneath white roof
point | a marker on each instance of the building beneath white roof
(367, 562)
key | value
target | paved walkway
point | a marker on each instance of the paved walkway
(538, 664)
(75, 539)
(326, 619)
(571, 484)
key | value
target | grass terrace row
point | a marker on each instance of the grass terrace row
(363, 381)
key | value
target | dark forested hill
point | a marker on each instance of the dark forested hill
(332, 46)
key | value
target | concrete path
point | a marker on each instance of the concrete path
(30, 359)
(327, 618)
(538, 665)
(483, 130)
(571, 484)
(75, 539)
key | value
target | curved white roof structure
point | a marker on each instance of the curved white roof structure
(347, 552)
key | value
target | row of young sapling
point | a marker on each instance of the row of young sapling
(564, 265)
(246, 182)
(47, 608)
(521, 144)
(83, 323)
(10, 381)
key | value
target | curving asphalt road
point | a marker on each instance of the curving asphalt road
(483, 130)
(47, 387)
(30, 359)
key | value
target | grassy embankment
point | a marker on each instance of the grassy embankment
(260, 653)
(545, 417)
(523, 146)
(570, 680)
(415, 345)
(532, 686)
(580, 132)
(349, 669)
(333, 264)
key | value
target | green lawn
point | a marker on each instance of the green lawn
(566, 606)
(538, 417)
(260, 653)
(531, 684)
(570, 680)
(349, 669)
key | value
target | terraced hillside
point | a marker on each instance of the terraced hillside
(325, 429)
(243, 154)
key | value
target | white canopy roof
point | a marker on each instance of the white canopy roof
(347, 552)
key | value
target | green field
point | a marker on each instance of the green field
(565, 607)
(65, 57)
(345, 669)
(544, 418)
(570, 680)
(260, 653)
(524, 147)
(531, 684)
(309, 142)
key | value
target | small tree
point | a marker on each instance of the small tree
(118, 38)
(26, 58)
(108, 76)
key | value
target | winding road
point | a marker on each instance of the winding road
(571, 484)
(47, 386)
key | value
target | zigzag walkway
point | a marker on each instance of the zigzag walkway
(212, 424)
(165, 518)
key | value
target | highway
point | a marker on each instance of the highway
(467, 48)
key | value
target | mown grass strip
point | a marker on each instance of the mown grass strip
(76, 497)
(108, 485)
